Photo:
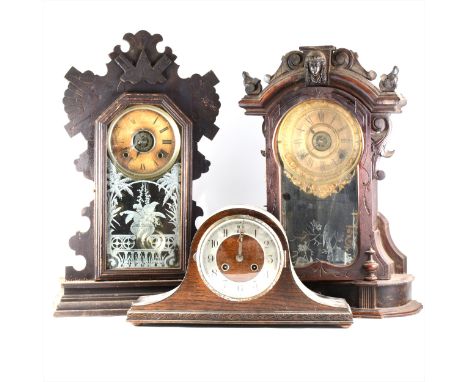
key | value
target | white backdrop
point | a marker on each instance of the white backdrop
(229, 37)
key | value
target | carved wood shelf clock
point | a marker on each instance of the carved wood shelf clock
(325, 126)
(240, 273)
(142, 123)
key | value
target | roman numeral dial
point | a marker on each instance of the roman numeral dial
(320, 144)
(143, 142)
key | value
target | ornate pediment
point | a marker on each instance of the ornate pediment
(141, 69)
(319, 66)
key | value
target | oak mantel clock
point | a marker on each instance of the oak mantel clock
(142, 123)
(325, 126)
(240, 273)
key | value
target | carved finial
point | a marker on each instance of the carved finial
(370, 266)
(142, 61)
(252, 86)
(386, 153)
(388, 82)
(380, 175)
(267, 78)
(315, 65)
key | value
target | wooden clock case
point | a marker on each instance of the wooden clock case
(376, 283)
(141, 75)
(287, 303)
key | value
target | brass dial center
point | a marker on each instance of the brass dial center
(322, 141)
(143, 141)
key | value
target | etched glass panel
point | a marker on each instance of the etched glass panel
(143, 220)
(321, 229)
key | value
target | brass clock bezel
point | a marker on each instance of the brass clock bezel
(169, 163)
(300, 176)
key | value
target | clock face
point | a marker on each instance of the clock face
(144, 142)
(320, 144)
(240, 258)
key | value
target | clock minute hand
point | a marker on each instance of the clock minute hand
(240, 256)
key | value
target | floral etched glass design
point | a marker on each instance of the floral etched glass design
(143, 220)
(321, 229)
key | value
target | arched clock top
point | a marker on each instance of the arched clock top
(339, 70)
(329, 67)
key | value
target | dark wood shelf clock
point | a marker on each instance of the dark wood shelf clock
(240, 273)
(325, 127)
(142, 123)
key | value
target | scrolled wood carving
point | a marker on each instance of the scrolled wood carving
(289, 62)
(347, 59)
(380, 130)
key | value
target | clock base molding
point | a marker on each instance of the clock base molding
(373, 299)
(408, 309)
(192, 303)
(239, 318)
(106, 298)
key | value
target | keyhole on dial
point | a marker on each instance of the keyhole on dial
(254, 267)
(225, 267)
(125, 154)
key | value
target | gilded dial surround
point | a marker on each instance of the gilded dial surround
(320, 144)
(143, 142)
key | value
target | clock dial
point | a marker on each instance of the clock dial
(320, 144)
(144, 142)
(240, 258)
